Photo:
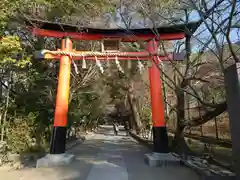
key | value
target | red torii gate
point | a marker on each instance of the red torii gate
(66, 54)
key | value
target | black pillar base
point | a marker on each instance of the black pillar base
(58, 140)
(160, 140)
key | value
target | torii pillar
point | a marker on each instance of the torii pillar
(160, 155)
(57, 154)
(58, 139)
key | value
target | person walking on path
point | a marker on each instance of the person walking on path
(115, 129)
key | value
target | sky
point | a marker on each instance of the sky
(233, 36)
(204, 35)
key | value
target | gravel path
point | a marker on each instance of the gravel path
(104, 157)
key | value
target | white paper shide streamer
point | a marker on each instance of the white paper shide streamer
(99, 65)
(84, 64)
(140, 66)
(118, 65)
(74, 64)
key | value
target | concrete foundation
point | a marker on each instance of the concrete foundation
(161, 159)
(53, 160)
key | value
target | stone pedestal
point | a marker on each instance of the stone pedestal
(161, 159)
(53, 160)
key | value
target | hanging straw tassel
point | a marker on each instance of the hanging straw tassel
(99, 65)
(84, 64)
(118, 65)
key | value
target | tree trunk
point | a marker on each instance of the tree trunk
(133, 105)
(179, 143)
(6, 108)
(1, 86)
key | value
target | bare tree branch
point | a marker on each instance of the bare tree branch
(220, 108)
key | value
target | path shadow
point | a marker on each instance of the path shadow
(114, 147)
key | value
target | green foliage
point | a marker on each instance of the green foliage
(10, 46)
(11, 52)
(6, 10)
(88, 107)
(21, 135)
(32, 84)
(146, 116)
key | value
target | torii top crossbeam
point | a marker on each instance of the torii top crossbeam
(59, 30)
